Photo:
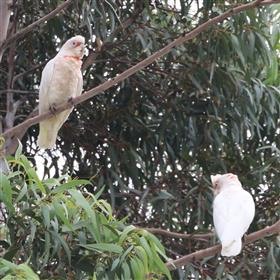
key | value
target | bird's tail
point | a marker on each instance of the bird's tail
(47, 135)
(231, 247)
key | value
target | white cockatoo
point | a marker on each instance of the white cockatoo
(61, 81)
(233, 212)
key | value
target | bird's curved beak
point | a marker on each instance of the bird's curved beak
(82, 49)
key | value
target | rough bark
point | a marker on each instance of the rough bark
(5, 13)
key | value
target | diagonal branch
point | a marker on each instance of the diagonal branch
(30, 27)
(198, 255)
(139, 66)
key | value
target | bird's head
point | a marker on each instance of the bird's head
(74, 47)
(223, 182)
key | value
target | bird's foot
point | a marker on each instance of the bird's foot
(53, 108)
(71, 101)
(244, 239)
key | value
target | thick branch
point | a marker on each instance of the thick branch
(12, 147)
(139, 66)
(198, 255)
(34, 24)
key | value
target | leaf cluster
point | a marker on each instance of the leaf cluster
(62, 231)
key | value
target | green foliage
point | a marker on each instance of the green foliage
(210, 106)
(62, 230)
(13, 271)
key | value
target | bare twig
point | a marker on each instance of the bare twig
(104, 45)
(29, 71)
(30, 27)
(211, 251)
(171, 234)
(18, 91)
(139, 66)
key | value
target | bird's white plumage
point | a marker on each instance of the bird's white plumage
(233, 212)
(61, 80)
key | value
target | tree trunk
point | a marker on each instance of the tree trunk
(5, 13)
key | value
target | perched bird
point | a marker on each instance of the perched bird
(61, 81)
(233, 212)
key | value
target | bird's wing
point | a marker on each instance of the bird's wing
(46, 81)
(233, 212)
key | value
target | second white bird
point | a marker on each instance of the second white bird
(233, 212)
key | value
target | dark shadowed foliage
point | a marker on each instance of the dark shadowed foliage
(210, 106)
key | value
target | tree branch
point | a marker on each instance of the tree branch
(139, 66)
(198, 255)
(5, 13)
(171, 234)
(18, 91)
(30, 27)
(12, 147)
(29, 71)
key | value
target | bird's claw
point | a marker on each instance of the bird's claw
(70, 100)
(244, 239)
(53, 108)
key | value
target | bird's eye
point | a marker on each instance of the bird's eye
(73, 43)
